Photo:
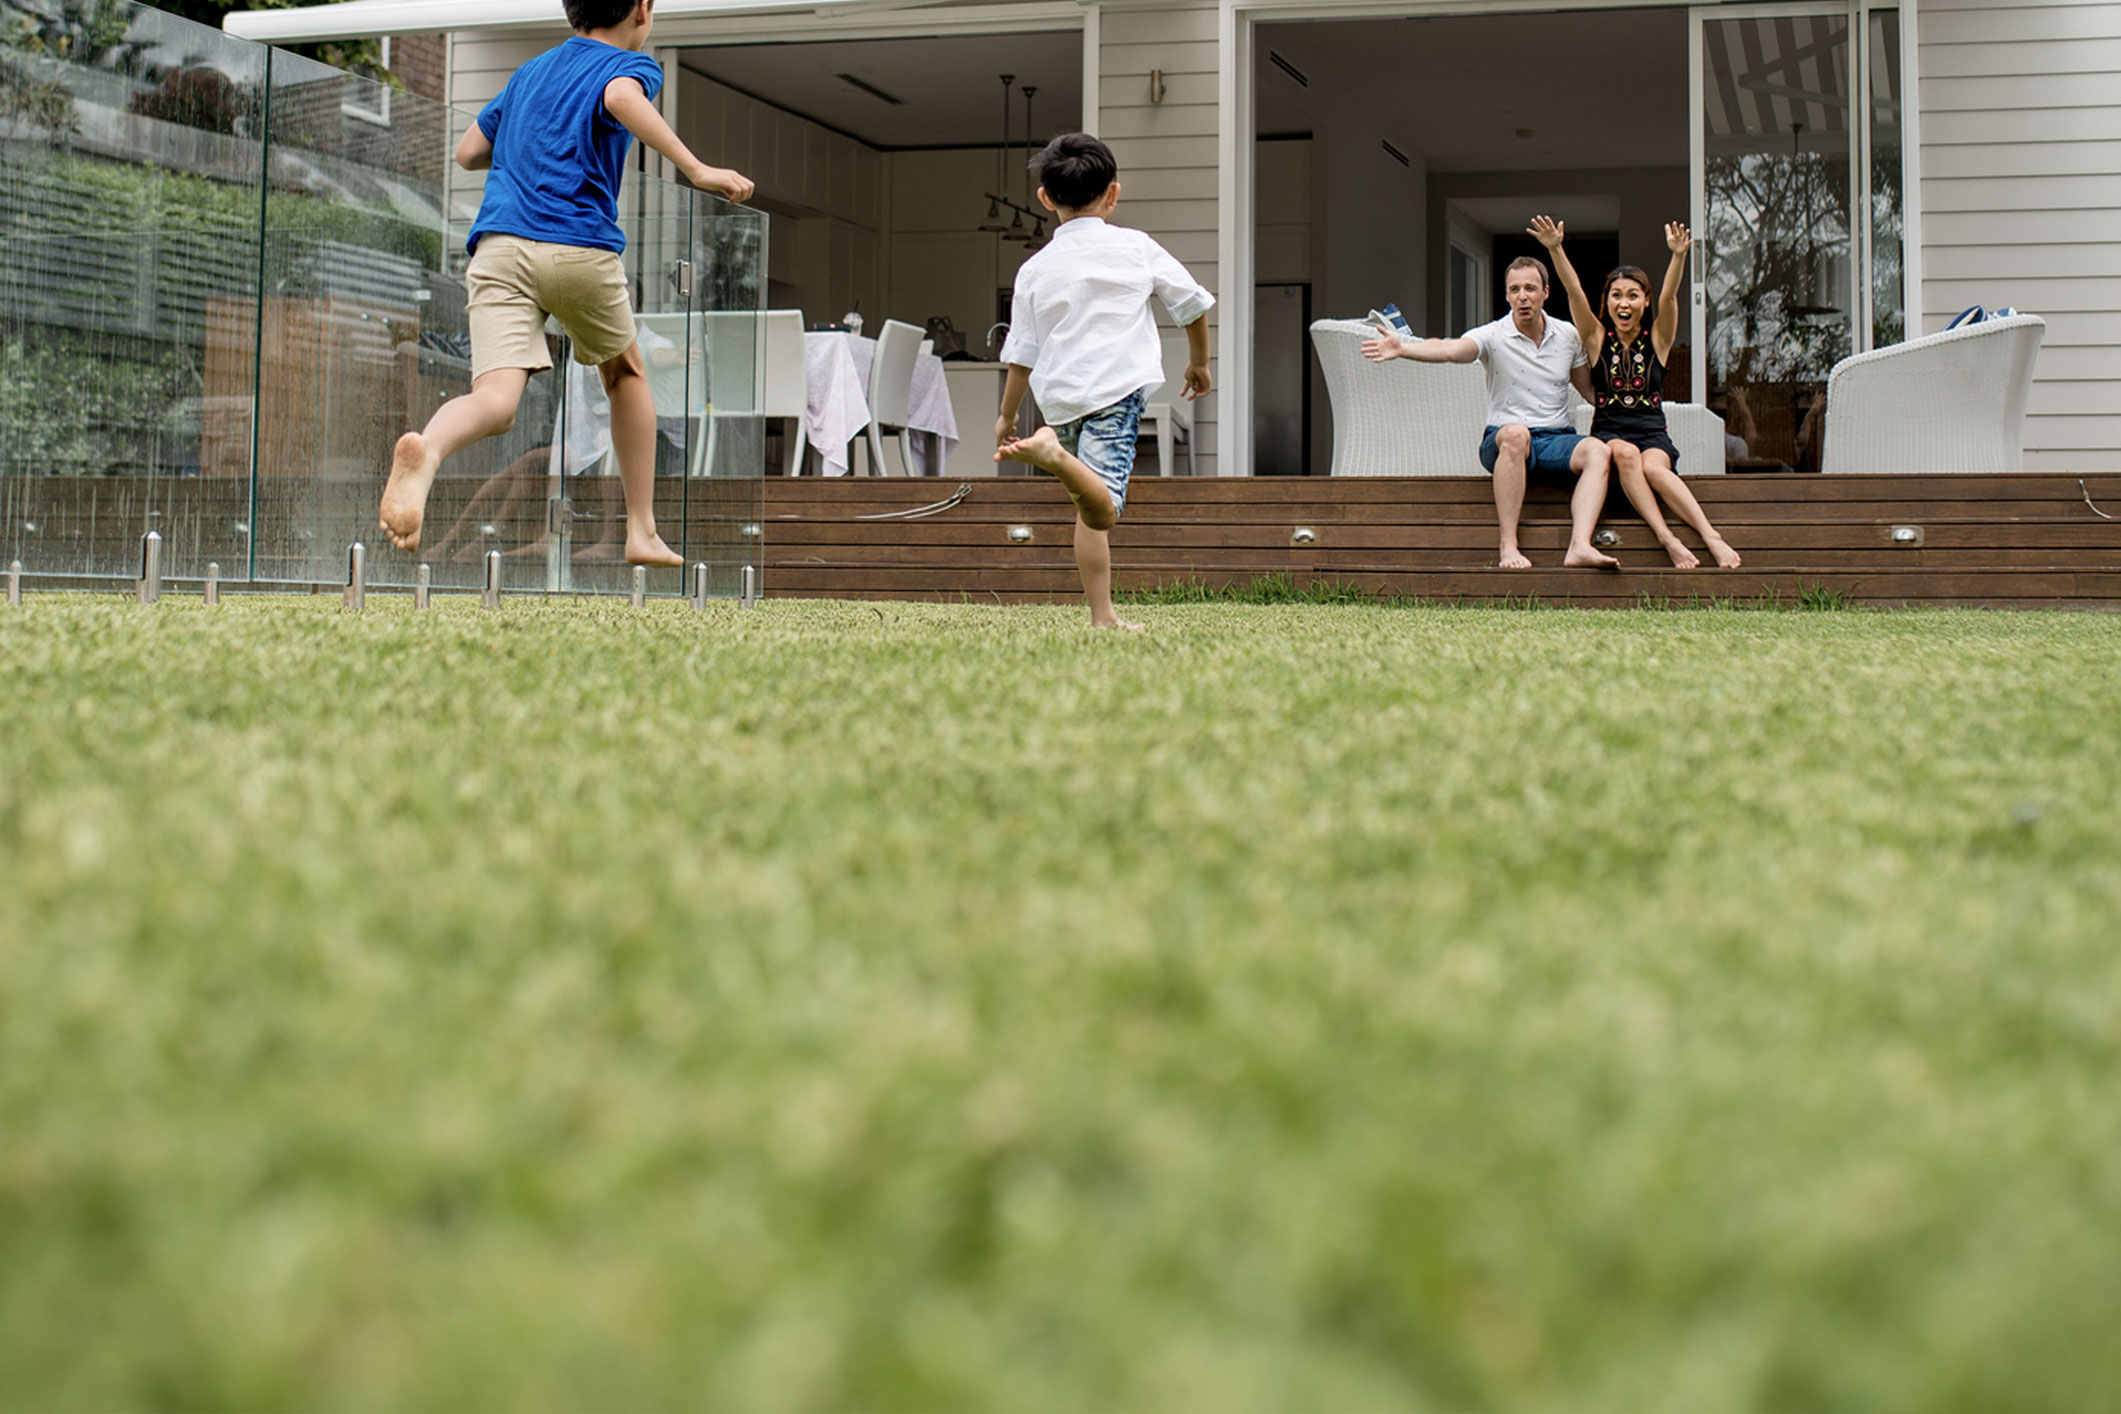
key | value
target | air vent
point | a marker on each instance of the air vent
(1395, 154)
(1288, 68)
(873, 91)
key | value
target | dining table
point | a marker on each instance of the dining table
(836, 366)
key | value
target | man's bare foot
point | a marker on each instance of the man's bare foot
(1513, 559)
(1115, 622)
(650, 550)
(1726, 558)
(1582, 557)
(412, 471)
(1043, 450)
(1682, 557)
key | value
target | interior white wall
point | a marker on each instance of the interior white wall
(940, 263)
(1648, 196)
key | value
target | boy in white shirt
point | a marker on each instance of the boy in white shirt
(1083, 339)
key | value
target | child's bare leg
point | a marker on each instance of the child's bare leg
(633, 442)
(1093, 560)
(1628, 464)
(488, 410)
(1665, 482)
(1043, 450)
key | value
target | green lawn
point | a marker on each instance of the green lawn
(830, 1007)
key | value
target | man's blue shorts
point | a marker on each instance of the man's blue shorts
(1552, 447)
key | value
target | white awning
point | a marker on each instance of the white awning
(360, 19)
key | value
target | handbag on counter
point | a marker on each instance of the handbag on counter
(948, 340)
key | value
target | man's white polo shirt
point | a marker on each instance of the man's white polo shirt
(1528, 382)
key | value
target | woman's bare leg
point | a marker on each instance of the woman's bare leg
(1631, 463)
(1657, 470)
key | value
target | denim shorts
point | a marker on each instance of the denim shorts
(1552, 447)
(1105, 440)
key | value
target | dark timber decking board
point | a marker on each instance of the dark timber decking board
(2011, 539)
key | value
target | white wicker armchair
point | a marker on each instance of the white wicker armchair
(1400, 418)
(1953, 401)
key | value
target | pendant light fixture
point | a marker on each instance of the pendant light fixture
(993, 224)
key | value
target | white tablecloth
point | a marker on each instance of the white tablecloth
(837, 366)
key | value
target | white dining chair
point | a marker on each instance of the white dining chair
(898, 348)
(752, 367)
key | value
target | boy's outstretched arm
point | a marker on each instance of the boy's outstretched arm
(474, 150)
(627, 101)
(1198, 381)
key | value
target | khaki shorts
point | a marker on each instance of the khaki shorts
(515, 283)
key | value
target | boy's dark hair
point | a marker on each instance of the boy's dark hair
(598, 14)
(1075, 169)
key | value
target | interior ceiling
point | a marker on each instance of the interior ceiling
(951, 86)
(1593, 88)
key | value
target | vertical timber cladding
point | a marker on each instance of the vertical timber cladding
(1168, 154)
(2020, 131)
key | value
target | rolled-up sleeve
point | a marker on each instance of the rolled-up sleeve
(1185, 297)
(1022, 344)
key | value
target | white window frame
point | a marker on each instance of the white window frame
(380, 113)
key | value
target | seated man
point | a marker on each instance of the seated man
(1529, 362)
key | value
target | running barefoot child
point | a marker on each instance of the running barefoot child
(1627, 382)
(1082, 338)
(547, 242)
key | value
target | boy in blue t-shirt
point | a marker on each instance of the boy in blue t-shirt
(547, 242)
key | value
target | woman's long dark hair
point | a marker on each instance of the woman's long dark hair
(1622, 272)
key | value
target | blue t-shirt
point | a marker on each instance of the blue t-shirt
(558, 155)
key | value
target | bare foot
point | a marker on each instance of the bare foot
(1513, 559)
(1116, 622)
(1726, 558)
(1043, 450)
(1682, 557)
(650, 550)
(412, 472)
(1584, 557)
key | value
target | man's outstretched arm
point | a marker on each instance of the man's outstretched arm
(1387, 346)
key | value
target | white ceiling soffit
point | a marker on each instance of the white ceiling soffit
(358, 19)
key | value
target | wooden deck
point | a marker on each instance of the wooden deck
(2018, 539)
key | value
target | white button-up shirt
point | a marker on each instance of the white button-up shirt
(1528, 383)
(1080, 319)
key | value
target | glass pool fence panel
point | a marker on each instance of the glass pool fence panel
(363, 333)
(725, 510)
(131, 157)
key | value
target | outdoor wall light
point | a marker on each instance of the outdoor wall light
(1019, 535)
(1907, 536)
(752, 530)
(1156, 85)
(1606, 539)
(1303, 535)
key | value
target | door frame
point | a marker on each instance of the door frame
(1235, 129)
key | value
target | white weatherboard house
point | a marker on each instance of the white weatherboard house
(1857, 172)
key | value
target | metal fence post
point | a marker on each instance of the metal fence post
(422, 583)
(14, 585)
(491, 599)
(149, 586)
(357, 576)
(699, 585)
(640, 585)
(748, 587)
(213, 583)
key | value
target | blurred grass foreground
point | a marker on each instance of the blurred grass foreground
(901, 1007)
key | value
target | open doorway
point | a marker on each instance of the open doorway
(1399, 161)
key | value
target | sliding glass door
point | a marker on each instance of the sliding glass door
(1797, 209)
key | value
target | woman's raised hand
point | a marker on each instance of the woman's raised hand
(1547, 231)
(1677, 236)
